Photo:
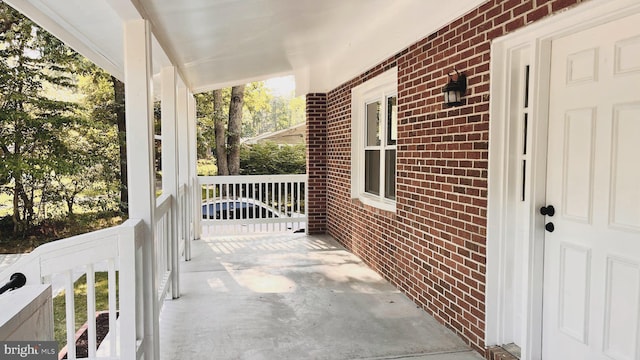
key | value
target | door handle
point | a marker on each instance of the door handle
(549, 227)
(547, 210)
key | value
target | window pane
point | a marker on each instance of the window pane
(372, 171)
(392, 120)
(373, 124)
(390, 174)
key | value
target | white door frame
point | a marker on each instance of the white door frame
(502, 222)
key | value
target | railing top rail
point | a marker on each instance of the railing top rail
(249, 179)
(163, 205)
(26, 263)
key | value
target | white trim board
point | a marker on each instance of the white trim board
(530, 45)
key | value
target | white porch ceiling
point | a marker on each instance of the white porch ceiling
(218, 43)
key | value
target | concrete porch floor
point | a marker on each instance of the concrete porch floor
(291, 296)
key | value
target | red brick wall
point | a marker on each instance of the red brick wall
(316, 201)
(433, 247)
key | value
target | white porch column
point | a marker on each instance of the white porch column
(170, 166)
(193, 166)
(183, 162)
(141, 177)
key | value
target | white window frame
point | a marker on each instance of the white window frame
(380, 89)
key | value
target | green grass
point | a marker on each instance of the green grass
(5, 204)
(80, 300)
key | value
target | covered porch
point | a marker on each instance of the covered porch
(270, 295)
(294, 296)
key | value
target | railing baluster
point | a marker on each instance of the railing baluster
(260, 198)
(70, 315)
(286, 203)
(302, 196)
(159, 252)
(255, 193)
(242, 208)
(296, 201)
(280, 203)
(227, 194)
(273, 194)
(219, 201)
(111, 268)
(91, 309)
(167, 242)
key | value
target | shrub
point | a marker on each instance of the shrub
(269, 158)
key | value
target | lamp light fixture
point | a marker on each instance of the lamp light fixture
(455, 89)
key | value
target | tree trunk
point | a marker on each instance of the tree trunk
(16, 217)
(70, 201)
(235, 128)
(220, 132)
(118, 92)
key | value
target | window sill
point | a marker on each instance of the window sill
(384, 205)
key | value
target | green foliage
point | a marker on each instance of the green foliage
(92, 166)
(207, 167)
(97, 89)
(269, 158)
(34, 127)
(205, 125)
(257, 106)
(58, 142)
(263, 112)
(54, 228)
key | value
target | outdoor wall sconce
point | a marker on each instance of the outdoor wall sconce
(454, 90)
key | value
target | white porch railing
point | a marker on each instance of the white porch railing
(164, 247)
(253, 203)
(184, 221)
(118, 248)
(172, 220)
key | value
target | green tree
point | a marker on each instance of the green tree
(32, 125)
(220, 122)
(83, 169)
(257, 107)
(298, 110)
(103, 103)
(233, 132)
(262, 112)
(206, 124)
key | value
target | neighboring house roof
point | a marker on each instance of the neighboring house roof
(290, 136)
(216, 44)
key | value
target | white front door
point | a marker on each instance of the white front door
(591, 301)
